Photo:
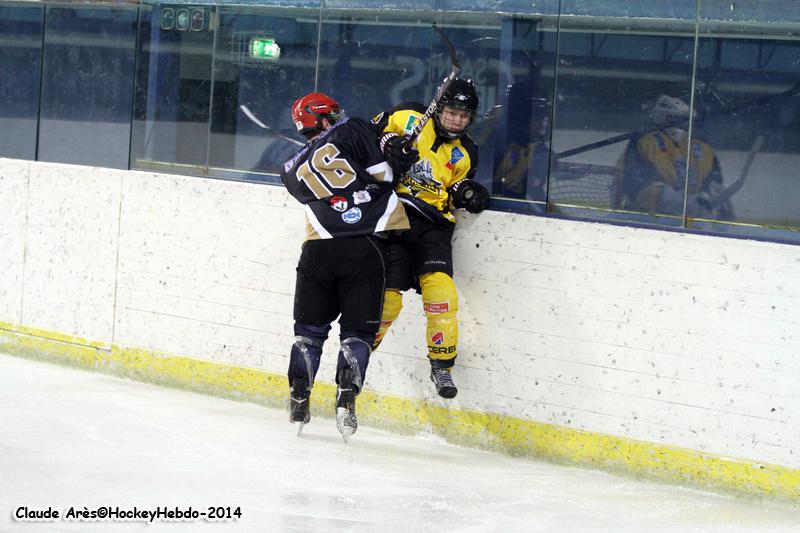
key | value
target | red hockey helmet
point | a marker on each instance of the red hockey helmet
(309, 110)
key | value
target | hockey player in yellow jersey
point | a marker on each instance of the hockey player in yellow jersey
(435, 179)
(653, 167)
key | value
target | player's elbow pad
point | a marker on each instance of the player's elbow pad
(470, 195)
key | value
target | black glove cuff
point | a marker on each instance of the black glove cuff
(384, 139)
(469, 195)
(460, 192)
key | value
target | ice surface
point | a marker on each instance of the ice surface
(75, 438)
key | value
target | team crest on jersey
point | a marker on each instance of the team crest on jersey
(420, 178)
(361, 197)
(338, 203)
(438, 338)
(352, 215)
(455, 156)
(412, 119)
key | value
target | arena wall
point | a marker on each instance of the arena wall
(663, 354)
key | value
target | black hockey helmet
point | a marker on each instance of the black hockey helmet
(460, 94)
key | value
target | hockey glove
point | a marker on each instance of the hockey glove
(469, 195)
(392, 146)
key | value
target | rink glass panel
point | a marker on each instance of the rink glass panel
(373, 59)
(87, 84)
(21, 30)
(558, 82)
(748, 85)
(744, 57)
(263, 59)
(511, 59)
(173, 91)
(609, 73)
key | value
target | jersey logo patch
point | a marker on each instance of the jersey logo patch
(438, 338)
(412, 119)
(352, 215)
(338, 203)
(361, 197)
(420, 178)
(436, 308)
(455, 156)
(377, 118)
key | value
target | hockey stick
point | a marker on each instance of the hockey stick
(731, 111)
(454, 70)
(726, 195)
(249, 114)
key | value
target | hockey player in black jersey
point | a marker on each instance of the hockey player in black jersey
(347, 189)
(435, 179)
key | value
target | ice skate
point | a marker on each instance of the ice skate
(346, 421)
(299, 399)
(444, 382)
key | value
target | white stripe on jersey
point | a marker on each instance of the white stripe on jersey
(382, 172)
(312, 219)
(409, 203)
(391, 205)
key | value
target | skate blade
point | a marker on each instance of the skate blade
(345, 430)
(300, 426)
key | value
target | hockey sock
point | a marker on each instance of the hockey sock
(354, 354)
(440, 301)
(306, 353)
(392, 304)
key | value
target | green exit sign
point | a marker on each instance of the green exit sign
(264, 48)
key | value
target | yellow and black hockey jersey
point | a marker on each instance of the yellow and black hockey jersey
(655, 157)
(425, 187)
(345, 184)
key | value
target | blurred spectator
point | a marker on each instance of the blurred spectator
(653, 167)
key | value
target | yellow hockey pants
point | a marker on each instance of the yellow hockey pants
(440, 302)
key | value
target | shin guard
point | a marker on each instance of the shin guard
(306, 352)
(354, 354)
(440, 301)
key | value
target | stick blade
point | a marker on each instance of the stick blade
(249, 114)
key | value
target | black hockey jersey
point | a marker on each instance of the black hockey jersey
(345, 184)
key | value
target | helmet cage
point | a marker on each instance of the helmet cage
(668, 111)
(460, 94)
